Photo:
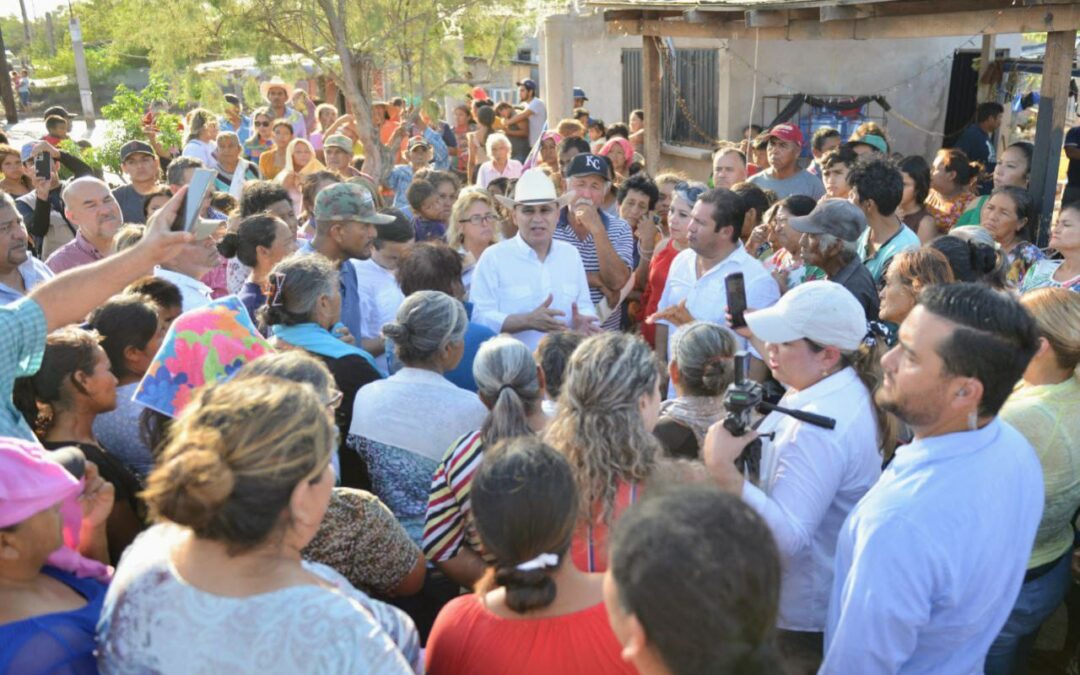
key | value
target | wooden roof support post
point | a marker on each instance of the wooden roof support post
(650, 100)
(1050, 130)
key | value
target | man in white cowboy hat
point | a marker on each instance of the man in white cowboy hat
(532, 285)
(277, 94)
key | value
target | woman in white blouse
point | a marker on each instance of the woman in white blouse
(219, 585)
(810, 477)
(200, 141)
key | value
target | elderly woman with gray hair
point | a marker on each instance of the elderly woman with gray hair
(401, 426)
(702, 366)
(303, 310)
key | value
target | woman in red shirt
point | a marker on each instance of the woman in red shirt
(607, 411)
(533, 612)
(678, 225)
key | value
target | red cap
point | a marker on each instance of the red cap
(478, 94)
(786, 132)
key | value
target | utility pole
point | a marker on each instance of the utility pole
(6, 94)
(50, 37)
(82, 75)
(26, 24)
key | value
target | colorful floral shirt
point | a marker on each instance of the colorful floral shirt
(1041, 275)
(1023, 256)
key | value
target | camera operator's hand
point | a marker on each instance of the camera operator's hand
(742, 331)
(719, 452)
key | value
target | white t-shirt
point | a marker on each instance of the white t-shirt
(381, 296)
(537, 120)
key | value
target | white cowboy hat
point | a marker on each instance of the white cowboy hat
(534, 187)
(275, 82)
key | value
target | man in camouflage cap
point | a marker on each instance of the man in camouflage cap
(345, 220)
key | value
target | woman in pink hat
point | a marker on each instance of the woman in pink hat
(50, 595)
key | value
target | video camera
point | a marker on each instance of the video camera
(743, 396)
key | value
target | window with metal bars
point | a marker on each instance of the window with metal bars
(688, 101)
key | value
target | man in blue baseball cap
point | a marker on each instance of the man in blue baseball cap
(579, 97)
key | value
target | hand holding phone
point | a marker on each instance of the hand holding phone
(198, 188)
(43, 164)
(735, 286)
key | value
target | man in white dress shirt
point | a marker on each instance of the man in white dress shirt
(531, 285)
(695, 287)
(929, 563)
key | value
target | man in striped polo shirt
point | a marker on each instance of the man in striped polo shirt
(604, 242)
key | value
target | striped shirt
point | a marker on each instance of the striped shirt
(449, 513)
(622, 240)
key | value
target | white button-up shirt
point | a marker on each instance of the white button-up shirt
(706, 297)
(810, 479)
(511, 279)
(193, 293)
(380, 297)
(930, 562)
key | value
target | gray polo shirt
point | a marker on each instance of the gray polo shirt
(802, 183)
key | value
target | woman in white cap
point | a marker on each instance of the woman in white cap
(815, 344)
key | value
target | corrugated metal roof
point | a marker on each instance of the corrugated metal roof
(724, 5)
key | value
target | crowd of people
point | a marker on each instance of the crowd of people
(512, 404)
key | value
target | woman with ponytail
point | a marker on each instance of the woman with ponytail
(511, 386)
(218, 585)
(952, 185)
(533, 612)
(259, 242)
(817, 345)
(61, 401)
(303, 311)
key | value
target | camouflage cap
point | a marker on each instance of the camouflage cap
(348, 201)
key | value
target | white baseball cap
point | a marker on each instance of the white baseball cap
(821, 311)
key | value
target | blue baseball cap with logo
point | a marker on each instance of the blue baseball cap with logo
(528, 84)
(589, 165)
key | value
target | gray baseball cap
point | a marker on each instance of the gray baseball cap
(837, 217)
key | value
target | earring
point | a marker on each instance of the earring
(973, 421)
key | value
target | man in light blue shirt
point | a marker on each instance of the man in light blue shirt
(19, 271)
(929, 563)
(877, 187)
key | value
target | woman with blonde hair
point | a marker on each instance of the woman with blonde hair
(1043, 408)
(202, 131)
(607, 411)
(300, 161)
(241, 487)
(473, 227)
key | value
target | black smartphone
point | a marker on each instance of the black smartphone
(43, 166)
(736, 298)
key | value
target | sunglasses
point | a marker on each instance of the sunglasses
(688, 192)
(262, 124)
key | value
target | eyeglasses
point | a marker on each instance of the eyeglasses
(262, 124)
(479, 219)
(545, 210)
